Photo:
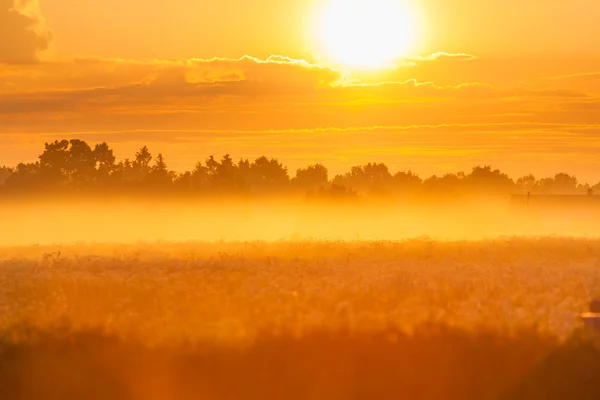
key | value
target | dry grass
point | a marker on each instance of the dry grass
(435, 362)
(300, 320)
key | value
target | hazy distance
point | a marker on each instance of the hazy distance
(125, 221)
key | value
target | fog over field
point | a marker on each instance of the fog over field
(134, 220)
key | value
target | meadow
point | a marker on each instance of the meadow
(415, 318)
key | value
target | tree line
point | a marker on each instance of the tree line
(67, 166)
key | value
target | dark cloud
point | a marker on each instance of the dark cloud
(23, 34)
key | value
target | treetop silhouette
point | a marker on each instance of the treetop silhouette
(73, 165)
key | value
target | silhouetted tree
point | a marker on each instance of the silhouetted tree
(243, 169)
(140, 167)
(370, 178)
(105, 161)
(526, 183)
(561, 183)
(449, 184)
(54, 163)
(486, 180)
(200, 177)
(81, 163)
(75, 164)
(223, 176)
(122, 173)
(407, 182)
(312, 177)
(194, 181)
(25, 176)
(566, 182)
(183, 181)
(143, 158)
(159, 173)
(267, 174)
(5, 172)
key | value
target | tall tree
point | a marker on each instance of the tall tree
(81, 163)
(268, 174)
(25, 176)
(484, 179)
(223, 175)
(526, 183)
(143, 158)
(54, 163)
(73, 162)
(105, 161)
(5, 173)
(561, 183)
(448, 184)
(372, 177)
(141, 165)
(200, 177)
(312, 177)
(159, 174)
(407, 182)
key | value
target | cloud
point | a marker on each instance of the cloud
(583, 75)
(454, 69)
(470, 90)
(588, 80)
(91, 93)
(23, 32)
(275, 74)
(441, 55)
(200, 86)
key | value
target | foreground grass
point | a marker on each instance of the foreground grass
(435, 362)
(230, 291)
(300, 320)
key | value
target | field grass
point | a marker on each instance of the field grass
(416, 319)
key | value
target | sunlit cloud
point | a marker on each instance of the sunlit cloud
(441, 54)
(23, 32)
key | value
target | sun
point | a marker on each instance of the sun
(366, 33)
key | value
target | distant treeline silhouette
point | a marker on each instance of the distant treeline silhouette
(73, 166)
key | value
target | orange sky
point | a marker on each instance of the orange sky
(504, 82)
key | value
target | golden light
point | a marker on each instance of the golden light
(366, 33)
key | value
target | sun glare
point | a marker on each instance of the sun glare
(366, 33)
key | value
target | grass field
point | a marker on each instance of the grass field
(415, 319)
